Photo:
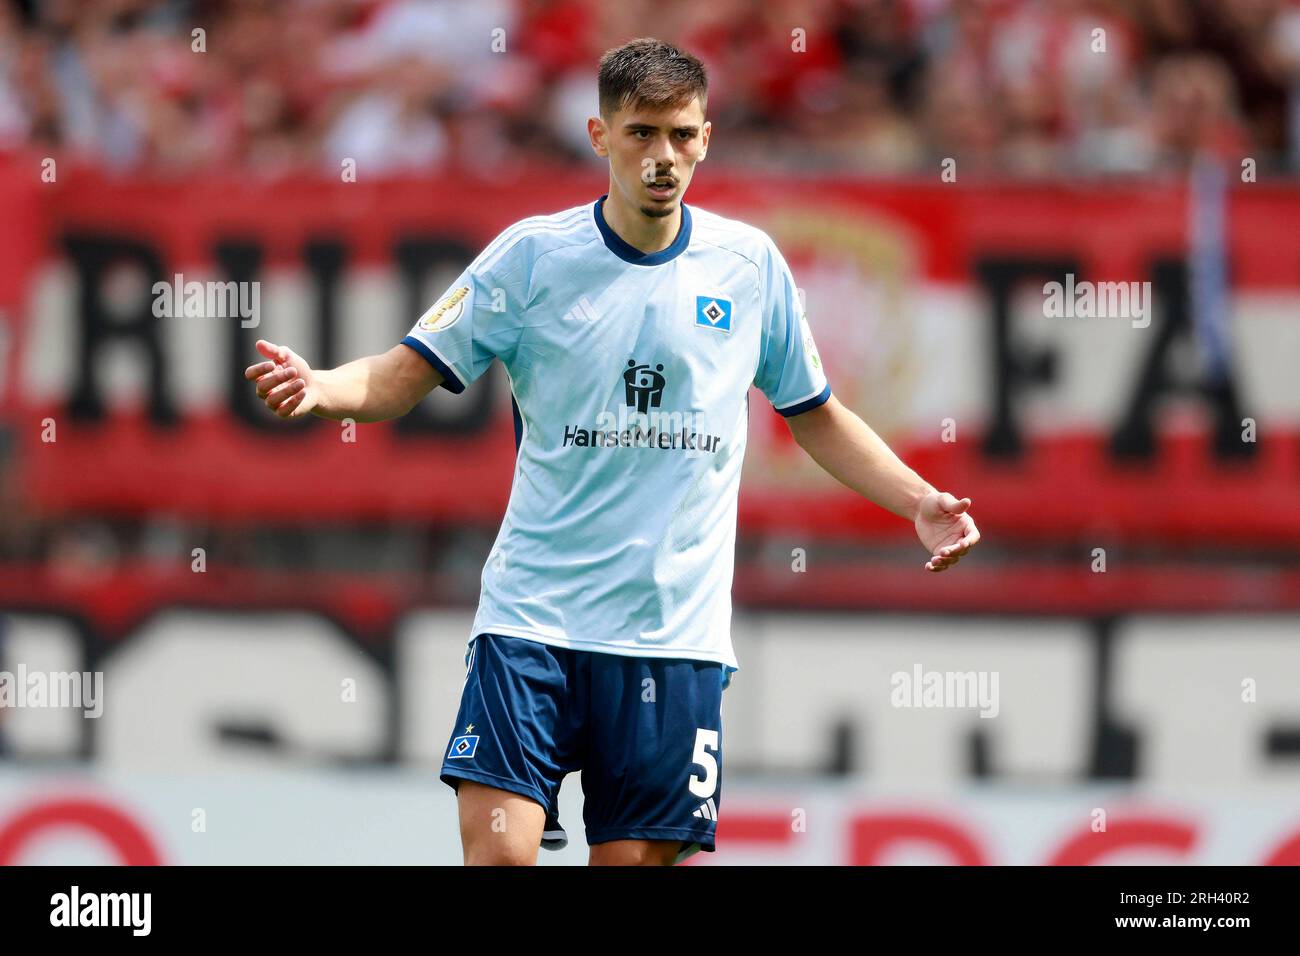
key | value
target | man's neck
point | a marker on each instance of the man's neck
(637, 229)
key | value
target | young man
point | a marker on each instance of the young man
(631, 329)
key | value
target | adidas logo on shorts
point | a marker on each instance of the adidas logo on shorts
(708, 810)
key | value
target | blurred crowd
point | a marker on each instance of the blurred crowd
(499, 87)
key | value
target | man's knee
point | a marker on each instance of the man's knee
(635, 853)
(499, 853)
(497, 827)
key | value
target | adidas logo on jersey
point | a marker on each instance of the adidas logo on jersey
(708, 810)
(583, 310)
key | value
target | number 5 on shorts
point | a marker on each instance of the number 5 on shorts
(705, 740)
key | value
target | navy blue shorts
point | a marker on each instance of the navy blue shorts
(645, 732)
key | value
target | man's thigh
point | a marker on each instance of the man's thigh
(517, 734)
(497, 827)
(653, 768)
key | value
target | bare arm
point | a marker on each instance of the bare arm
(847, 448)
(851, 452)
(370, 389)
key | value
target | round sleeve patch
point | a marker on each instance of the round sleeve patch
(446, 312)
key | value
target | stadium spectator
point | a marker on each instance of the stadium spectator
(495, 87)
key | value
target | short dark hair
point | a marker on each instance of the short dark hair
(652, 74)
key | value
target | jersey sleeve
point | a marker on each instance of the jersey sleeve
(478, 318)
(790, 371)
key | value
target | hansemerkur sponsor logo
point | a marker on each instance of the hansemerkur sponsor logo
(643, 393)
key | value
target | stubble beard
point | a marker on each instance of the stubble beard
(658, 212)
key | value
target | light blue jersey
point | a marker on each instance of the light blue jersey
(630, 375)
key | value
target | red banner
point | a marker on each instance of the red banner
(916, 291)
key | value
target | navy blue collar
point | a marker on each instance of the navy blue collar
(630, 253)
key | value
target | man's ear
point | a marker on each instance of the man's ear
(704, 133)
(596, 132)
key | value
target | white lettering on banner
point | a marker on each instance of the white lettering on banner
(1178, 681)
(816, 672)
(188, 685)
(398, 816)
(186, 674)
(429, 647)
(49, 644)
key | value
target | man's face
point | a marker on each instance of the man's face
(652, 153)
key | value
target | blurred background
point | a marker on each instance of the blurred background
(275, 614)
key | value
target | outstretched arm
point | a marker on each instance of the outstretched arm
(847, 448)
(370, 389)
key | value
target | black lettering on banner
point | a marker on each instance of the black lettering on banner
(326, 260)
(1135, 436)
(93, 255)
(1014, 369)
(240, 260)
(416, 258)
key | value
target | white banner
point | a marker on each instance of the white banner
(409, 817)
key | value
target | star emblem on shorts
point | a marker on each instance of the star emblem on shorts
(469, 729)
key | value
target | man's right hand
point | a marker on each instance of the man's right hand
(286, 383)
